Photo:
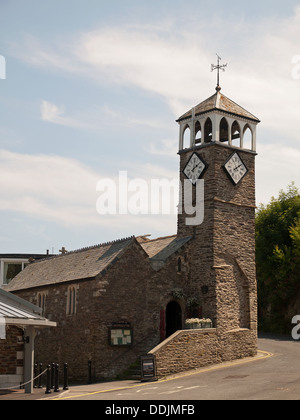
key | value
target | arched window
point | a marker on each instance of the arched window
(248, 138)
(198, 133)
(224, 130)
(41, 302)
(71, 301)
(186, 137)
(179, 265)
(208, 131)
(236, 134)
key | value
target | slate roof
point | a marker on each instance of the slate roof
(219, 102)
(87, 263)
(159, 250)
(82, 264)
(155, 246)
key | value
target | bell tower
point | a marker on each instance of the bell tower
(217, 144)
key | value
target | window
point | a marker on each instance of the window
(11, 270)
(71, 301)
(41, 301)
(179, 265)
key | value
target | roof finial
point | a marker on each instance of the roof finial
(218, 67)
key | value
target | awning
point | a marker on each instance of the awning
(17, 311)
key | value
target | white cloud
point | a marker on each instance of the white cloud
(96, 119)
(53, 114)
(63, 191)
(50, 58)
(163, 147)
(174, 61)
(50, 188)
(276, 167)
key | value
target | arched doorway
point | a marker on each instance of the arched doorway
(173, 318)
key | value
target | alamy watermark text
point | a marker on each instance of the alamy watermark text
(156, 197)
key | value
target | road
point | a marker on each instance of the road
(269, 378)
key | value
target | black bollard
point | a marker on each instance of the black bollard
(66, 386)
(52, 375)
(56, 389)
(48, 385)
(40, 377)
(89, 372)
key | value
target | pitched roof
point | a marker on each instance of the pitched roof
(159, 250)
(87, 263)
(81, 264)
(154, 246)
(20, 312)
(219, 102)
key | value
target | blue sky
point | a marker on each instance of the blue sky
(95, 87)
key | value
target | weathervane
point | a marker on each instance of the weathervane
(218, 67)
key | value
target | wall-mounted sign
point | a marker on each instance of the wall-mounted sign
(121, 335)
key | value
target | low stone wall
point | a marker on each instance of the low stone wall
(192, 349)
(185, 350)
(238, 344)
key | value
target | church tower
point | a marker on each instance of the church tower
(217, 144)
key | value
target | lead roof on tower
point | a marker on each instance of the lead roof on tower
(219, 102)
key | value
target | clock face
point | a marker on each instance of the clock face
(195, 168)
(235, 168)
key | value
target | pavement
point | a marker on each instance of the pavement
(78, 391)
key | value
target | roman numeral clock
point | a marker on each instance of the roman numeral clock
(195, 168)
(235, 168)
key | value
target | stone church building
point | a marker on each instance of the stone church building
(117, 301)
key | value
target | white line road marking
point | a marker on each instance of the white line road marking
(141, 390)
(180, 389)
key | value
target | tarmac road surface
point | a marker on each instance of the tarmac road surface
(274, 375)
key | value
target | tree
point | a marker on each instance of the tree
(278, 260)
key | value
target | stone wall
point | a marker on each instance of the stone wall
(130, 291)
(11, 357)
(222, 253)
(186, 350)
(192, 349)
(217, 275)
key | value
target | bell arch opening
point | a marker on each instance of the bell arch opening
(208, 131)
(236, 134)
(248, 138)
(198, 133)
(186, 137)
(224, 131)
